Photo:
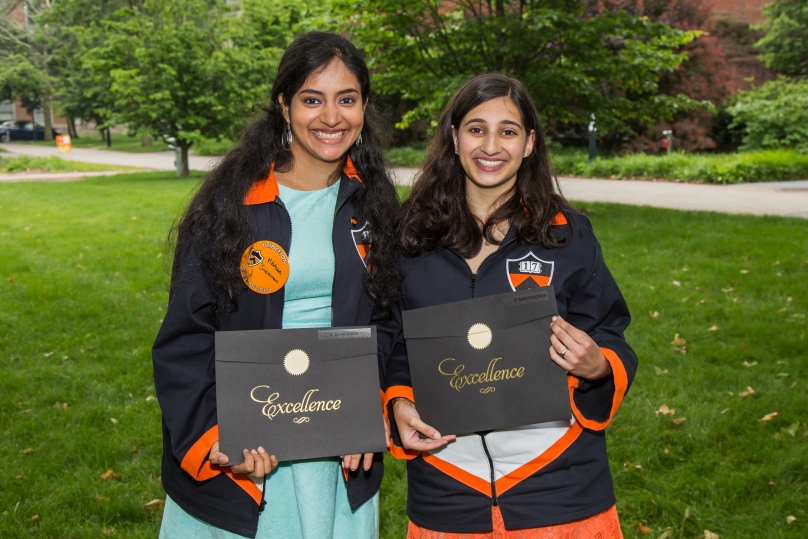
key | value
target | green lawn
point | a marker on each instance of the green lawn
(121, 142)
(83, 290)
(26, 163)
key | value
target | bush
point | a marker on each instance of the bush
(775, 115)
(406, 156)
(213, 147)
(759, 166)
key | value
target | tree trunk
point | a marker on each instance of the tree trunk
(185, 172)
(46, 112)
(71, 127)
(109, 138)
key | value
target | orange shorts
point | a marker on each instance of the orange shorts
(604, 525)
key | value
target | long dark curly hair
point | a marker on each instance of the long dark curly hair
(437, 213)
(217, 225)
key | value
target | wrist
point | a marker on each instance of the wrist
(398, 400)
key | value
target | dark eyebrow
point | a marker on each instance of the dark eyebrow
(318, 92)
(480, 120)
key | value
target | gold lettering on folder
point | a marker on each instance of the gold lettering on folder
(492, 374)
(306, 405)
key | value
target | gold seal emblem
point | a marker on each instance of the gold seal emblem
(480, 336)
(296, 362)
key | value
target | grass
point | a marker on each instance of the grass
(742, 167)
(82, 294)
(25, 163)
(121, 142)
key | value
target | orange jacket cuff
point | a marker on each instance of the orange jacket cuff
(394, 392)
(196, 461)
(620, 388)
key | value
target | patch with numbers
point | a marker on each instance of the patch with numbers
(529, 272)
(264, 267)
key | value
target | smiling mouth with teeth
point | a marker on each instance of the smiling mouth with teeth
(329, 136)
(487, 163)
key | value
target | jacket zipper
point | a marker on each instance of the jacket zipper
(334, 248)
(491, 467)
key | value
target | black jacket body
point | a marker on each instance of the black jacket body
(538, 475)
(184, 364)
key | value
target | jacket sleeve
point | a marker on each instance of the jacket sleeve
(184, 370)
(394, 373)
(599, 309)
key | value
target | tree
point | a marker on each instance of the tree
(774, 115)
(608, 64)
(179, 69)
(784, 48)
(25, 58)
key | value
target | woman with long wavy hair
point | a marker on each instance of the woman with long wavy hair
(486, 217)
(308, 176)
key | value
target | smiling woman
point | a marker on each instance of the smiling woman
(312, 163)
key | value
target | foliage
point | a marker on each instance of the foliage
(25, 163)
(191, 70)
(78, 330)
(574, 65)
(757, 166)
(774, 115)
(406, 156)
(784, 48)
(213, 147)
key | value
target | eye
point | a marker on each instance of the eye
(310, 101)
(509, 133)
(347, 101)
(476, 130)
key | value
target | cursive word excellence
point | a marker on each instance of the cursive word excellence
(491, 374)
(304, 406)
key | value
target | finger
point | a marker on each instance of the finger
(559, 360)
(217, 458)
(428, 445)
(265, 458)
(565, 340)
(273, 462)
(578, 335)
(258, 469)
(368, 461)
(247, 466)
(424, 429)
(346, 461)
(355, 461)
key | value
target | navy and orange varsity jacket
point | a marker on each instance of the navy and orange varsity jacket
(538, 475)
(184, 363)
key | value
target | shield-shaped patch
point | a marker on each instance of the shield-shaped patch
(529, 272)
(361, 238)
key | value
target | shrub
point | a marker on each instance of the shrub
(406, 156)
(213, 147)
(775, 115)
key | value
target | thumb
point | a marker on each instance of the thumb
(425, 429)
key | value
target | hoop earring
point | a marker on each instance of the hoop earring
(358, 141)
(286, 138)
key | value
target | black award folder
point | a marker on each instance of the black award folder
(484, 364)
(299, 393)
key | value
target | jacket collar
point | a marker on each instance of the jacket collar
(266, 190)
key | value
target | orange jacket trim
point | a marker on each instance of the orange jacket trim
(196, 461)
(396, 451)
(560, 219)
(552, 453)
(620, 388)
(470, 480)
(266, 190)
(247, 484)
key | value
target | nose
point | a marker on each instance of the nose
(330, 115)
(490, 145)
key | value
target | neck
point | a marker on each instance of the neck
(308, 173)
(483, 201)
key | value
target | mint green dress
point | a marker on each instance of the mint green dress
(305, 499)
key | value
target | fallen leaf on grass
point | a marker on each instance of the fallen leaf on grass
(792, 430)
(659, 371)
(47, 354)
(678, 344)
(713, 328)
(636, 466)
(107, 531)
(790, 519)
(655, 314)
(114, 421)
(28, 451)
(749, 391)
(748, 364)
(793, 384)
(727, 289)
(159, 255)
(101, 499)
(782, 375)
(20, 475)
(676, 283)
(710, 535)
(34, 518)
(667, 451)
(784, 309)
(644, 530)
(10, 279)
(724, 411)
(106, 475)
(134, 218)
(133, 448)
(60, 405)
(151, 398)
(153, 504)
(667, 535)
(664, 410)
(679, 420)
(744, 271)
(769, 417)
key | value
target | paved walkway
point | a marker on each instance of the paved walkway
(58, 177)
(775, 198)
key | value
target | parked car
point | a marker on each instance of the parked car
(12, 130)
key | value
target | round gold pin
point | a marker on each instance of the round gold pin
(480, 336)
(296, 362)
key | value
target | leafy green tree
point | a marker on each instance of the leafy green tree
(774, 115)
(784, 48)
(608, 64)
(180, 69)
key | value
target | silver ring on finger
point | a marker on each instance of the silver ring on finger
(563, 353)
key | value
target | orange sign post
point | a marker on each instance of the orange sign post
(63, 143)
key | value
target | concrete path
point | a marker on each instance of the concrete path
(775, 198)
(153, 160)
(766, 198)
(16, 177)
